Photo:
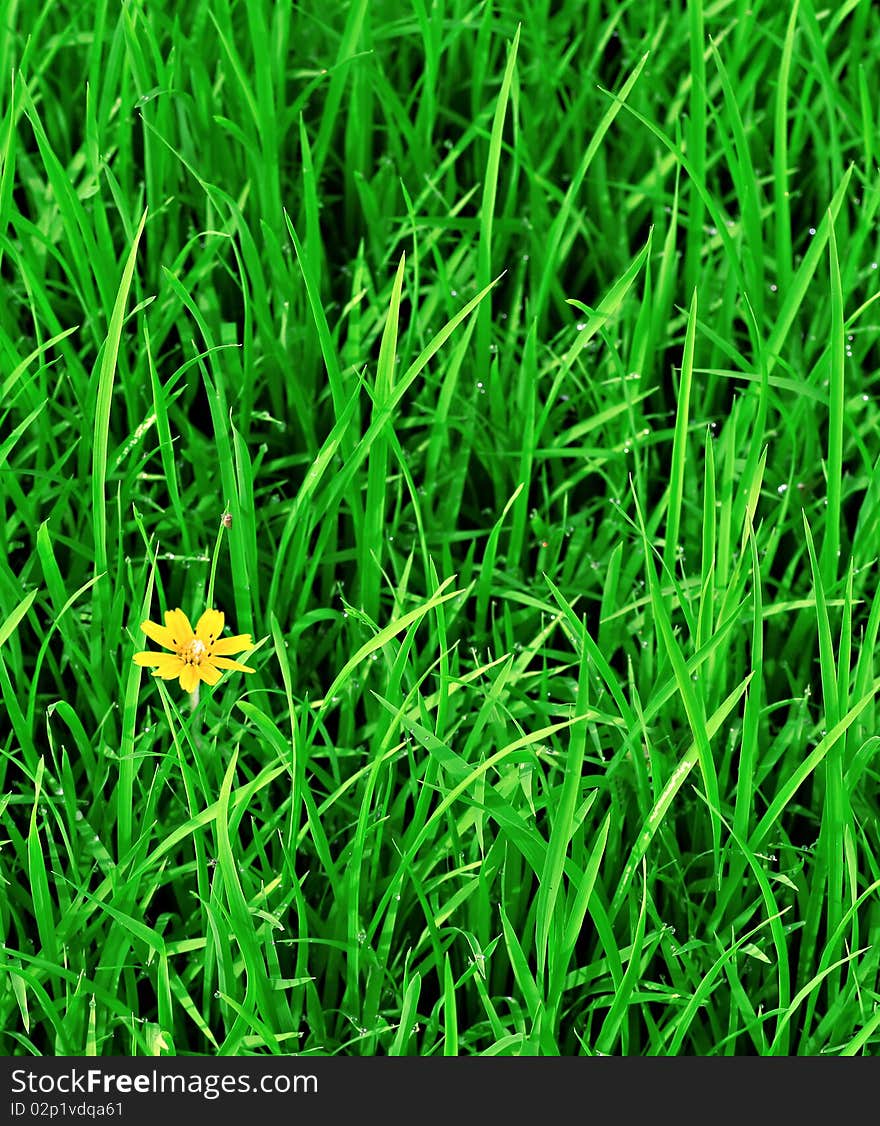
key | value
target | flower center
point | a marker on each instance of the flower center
(194, 652)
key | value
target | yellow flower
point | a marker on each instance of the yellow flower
(194, 656)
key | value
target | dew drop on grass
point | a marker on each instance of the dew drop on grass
(812, 231)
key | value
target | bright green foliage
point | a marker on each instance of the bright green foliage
(532, 349)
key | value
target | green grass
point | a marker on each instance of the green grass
(532, 350)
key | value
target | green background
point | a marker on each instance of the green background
(533, 351)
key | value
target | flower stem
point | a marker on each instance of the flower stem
(194, 699)
(209, 602)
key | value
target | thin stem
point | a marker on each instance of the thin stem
(209, 602)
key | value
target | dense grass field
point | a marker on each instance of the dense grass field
(509, 373)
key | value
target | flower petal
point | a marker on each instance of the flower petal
(167, 665)
(189, 678)
(225, 663)
(210, 627)
(228, 645)
(178, 623)
(160, 634)
(208, 673)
